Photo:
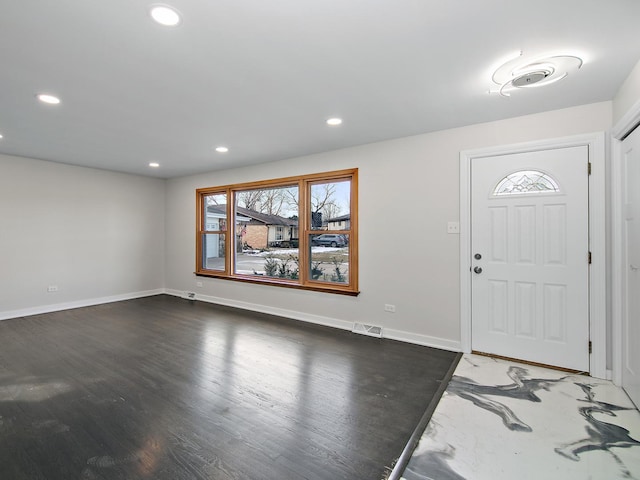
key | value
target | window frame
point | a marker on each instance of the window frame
(304, 184)
(204, 231)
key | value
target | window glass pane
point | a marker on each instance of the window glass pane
(213, 251)
(276, 263)
(329, 258)
(216, 213)
(330, 205)
(267, 232)
(526, 181)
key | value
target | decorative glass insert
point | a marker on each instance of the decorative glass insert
(526, 181)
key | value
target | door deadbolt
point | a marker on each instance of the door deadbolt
(478, 270)
(477, 256)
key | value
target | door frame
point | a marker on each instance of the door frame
(621, 129)
(597, 237)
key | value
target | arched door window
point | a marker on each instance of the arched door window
(526, 182)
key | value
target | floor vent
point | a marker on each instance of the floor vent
(190, 295)
(370, 330)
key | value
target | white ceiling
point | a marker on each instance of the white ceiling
(261, 77)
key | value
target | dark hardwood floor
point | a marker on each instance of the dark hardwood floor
(165, 388)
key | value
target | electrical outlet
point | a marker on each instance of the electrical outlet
(198, 284)
(52, 288)
(389, 308)
(453, 227)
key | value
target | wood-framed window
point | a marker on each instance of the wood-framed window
(281, 232)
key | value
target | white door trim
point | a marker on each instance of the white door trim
(597, 237)
(618, 269)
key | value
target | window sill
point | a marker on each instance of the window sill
(280, 283)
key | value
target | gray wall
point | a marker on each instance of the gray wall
(96, 235)
(409, 190)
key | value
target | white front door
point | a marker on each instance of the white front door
(530, 256)
(631, 311)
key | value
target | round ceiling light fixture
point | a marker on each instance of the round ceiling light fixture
(165, 15)
(154, 164)
(334, 122)
(519, 73)
(222, 149)
(47, 98)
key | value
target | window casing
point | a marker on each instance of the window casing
(309, 252)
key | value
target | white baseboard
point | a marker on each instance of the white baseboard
(392, 334)
(56, 307)
(424, 340)
(280, 312)
(407, 337)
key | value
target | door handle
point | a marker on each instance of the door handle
(478, 270)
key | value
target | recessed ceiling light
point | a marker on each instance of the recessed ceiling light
(154, 164)
(165, 15)
(46, 98)
(222, 149)
(334, 121)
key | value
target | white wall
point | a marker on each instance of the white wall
(628, 95)
(409, 190)
(97, 235)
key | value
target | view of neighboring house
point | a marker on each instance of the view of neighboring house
(264, 230)
(217, 221)
(259, 230)
(343, 222)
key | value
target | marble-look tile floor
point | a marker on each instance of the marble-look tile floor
(502, 420)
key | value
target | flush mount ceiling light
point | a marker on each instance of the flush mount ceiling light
(222, 149)
(1, 137)
(520, 72)
(46, 98)
(154, 164)
(165, 15)
(333, 122)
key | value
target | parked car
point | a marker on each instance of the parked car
(291, 243)
(329, 240)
